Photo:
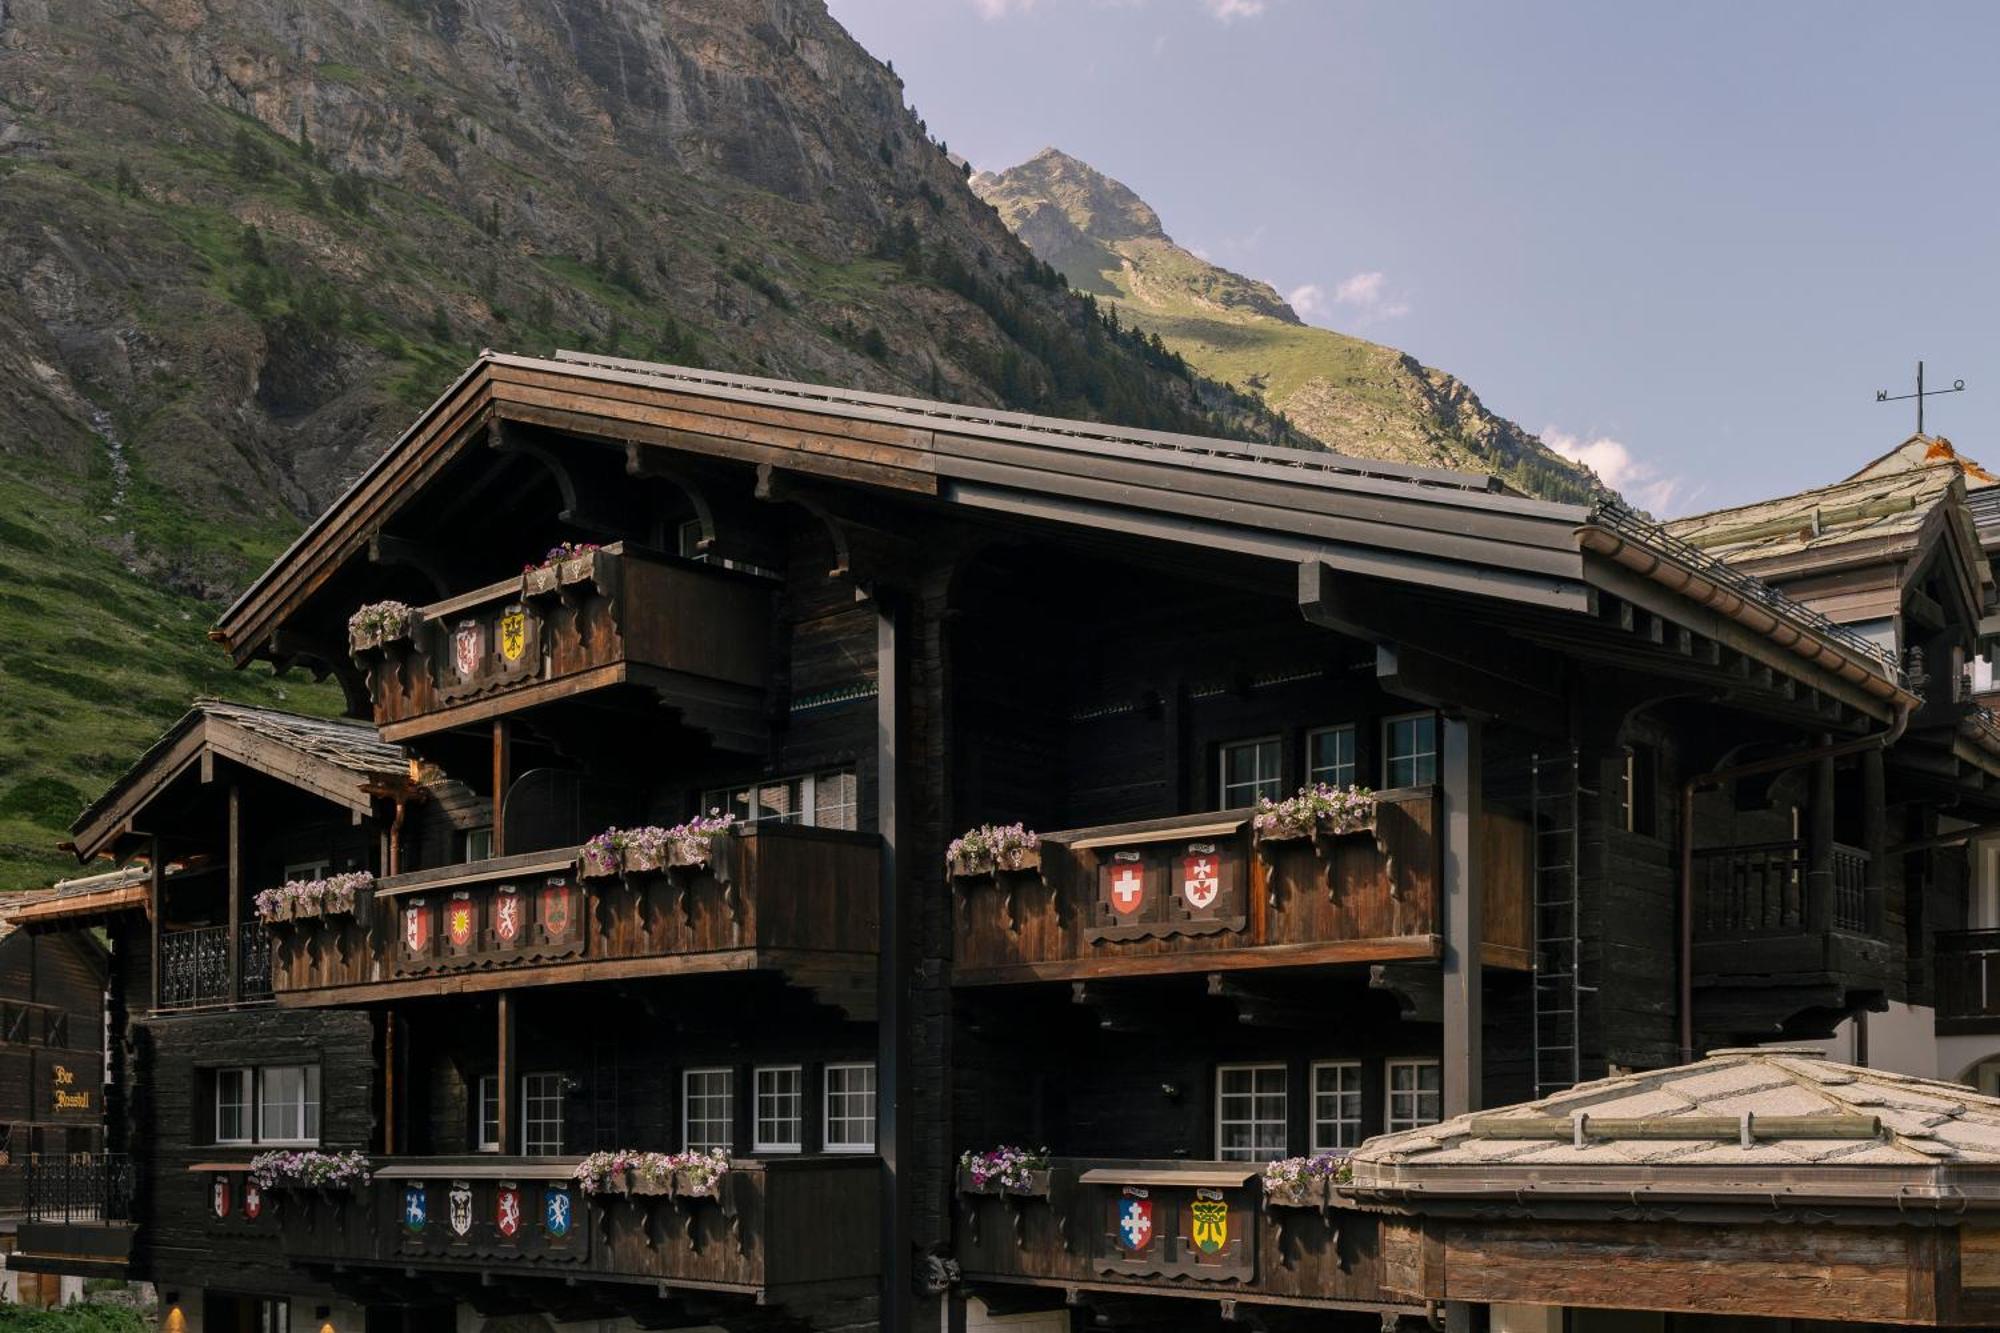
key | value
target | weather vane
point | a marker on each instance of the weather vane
(1882, 395)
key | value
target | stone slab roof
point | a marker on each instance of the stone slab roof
(1864, 1131)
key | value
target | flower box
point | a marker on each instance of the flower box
(637, 1174)
(564, 564)
(600, 858)
(1033, 1184)
(303, 899)
(1308, 1193)
(1304, 1182)
(1321, 810)
(378, 624)
(651, 849)
(1004, 1170)
(993, 849)
(312, 1170)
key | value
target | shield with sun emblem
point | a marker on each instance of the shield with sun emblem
(458, 921)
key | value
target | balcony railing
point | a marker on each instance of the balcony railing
(78, 1187)
(1968, 978)
(1760, 889)
(253, 945)
(194, 967)
(698, 635)
(1177, 1227)
(771, 1225)
(1201, 892)
(790, 897)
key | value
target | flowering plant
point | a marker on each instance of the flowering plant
(309, 1170)
(629, 1170)
(1304, 1179)
(1008, 1167)
(638, 849)
(994, 847)
(1338, 809)
(331, 896)
(378, 621)
(560, 552)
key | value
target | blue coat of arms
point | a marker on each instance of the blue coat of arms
(556, 1213)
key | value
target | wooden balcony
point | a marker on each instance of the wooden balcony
(1759, 912)
(785, 897)
(1370, 897)
(696, 635)
(1080, 1235)
(774, 1225)
(1968, 981)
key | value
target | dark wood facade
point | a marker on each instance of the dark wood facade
(866, 626)
(51, 1052)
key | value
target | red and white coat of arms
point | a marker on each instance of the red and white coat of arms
(1128, 888)
(1201, 880)
(507, 1210)
(507, 917)
(416, 928)
(458, 922)
(465, 648)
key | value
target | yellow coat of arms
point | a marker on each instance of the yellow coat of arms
(1210, 1229)
(513, 635)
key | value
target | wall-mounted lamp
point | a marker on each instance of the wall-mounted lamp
(1171, 1091)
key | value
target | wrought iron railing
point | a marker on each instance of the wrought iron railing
(1627, 522)
(194, 967)
(1762, 888)
(253, 967)
(78, 1187)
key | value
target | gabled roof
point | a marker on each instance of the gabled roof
(1451, 533)
(76, 901)
(1752, 1122)
(336, 759)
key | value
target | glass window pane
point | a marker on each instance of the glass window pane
(1330, 756)
(1250, 1112)
(850, 1108)
(835, 804)
(541, 1115)
(780, 1109)
(708, 1109)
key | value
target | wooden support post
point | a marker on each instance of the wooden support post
(1459, 776)
(504, 1076)
(235, 891)
(1874, 833)
(389, 1082)
(892, 1073)
(1819, 845)
(503, 778)
(156, 890)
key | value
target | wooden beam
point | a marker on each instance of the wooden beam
(503, 778)
(1460, 777)
(505, 1074)
(235, 855)
(896, 962)
(156, 888)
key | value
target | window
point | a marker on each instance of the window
(476, 844)
(541, 1115)
(1409, 750)
(1637, 795)
(780, 1109)
(1330, 756)
(1336, 1105)
(288, 1104)
(488, 1138)
(319, 869)
(826, 799)
(1416, 1096)
(232, 1105)
(1249, 1112)
(1249, 770)
(274, 1314)
(708, 1109)
(850, 1108)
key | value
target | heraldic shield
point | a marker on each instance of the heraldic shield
(513, 635)
(416, 1208)
(253, 1200)
(1135, 1224)
(218, 1198)
(556, 1206)
(458, 922)
(1209, 1225)
(507, 912)
(507, 1210)
(461, 1208)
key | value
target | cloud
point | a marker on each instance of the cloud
(1228, 11)
(1309, 300)
(1361, 289)
(1000, 9)
(1364, 298)
(1637, 480)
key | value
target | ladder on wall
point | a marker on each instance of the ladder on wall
(1553, 795)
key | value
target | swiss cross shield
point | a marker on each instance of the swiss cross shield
(253, 1200)
(507, 916)
(416, 1208)
(460, 1200)
(416, 928)
(1201, 880)
(507, 1210)
(556, 1212)
(458, 923)
(513, 634)
(556, 907)
(1209, 1225)
(1128, 888)
(465, 647)
(1135, 1224)
(218, 1198)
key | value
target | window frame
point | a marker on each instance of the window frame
(309, 1097)
(1394, 1124)
(485, 1089)
(1253, 1068)
(809, 810)
(526, 1120)
(1389, 756)
(688, 1076)
(797, 1142)
(247, 1106)
(1276, 742)
(1353, 765)
(828, 1119)
(1342, 1095)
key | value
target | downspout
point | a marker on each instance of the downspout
(1881, 740)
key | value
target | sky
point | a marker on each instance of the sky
(1686, 241)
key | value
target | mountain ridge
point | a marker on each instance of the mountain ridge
(1350, 395)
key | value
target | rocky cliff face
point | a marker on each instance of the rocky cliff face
(242, 242)
(1354, 396)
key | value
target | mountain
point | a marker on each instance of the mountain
(1353, 396)
(243, 242)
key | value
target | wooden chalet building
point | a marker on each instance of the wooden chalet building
(1630, 803)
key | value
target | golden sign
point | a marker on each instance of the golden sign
(513, 635)
(68, 1101)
